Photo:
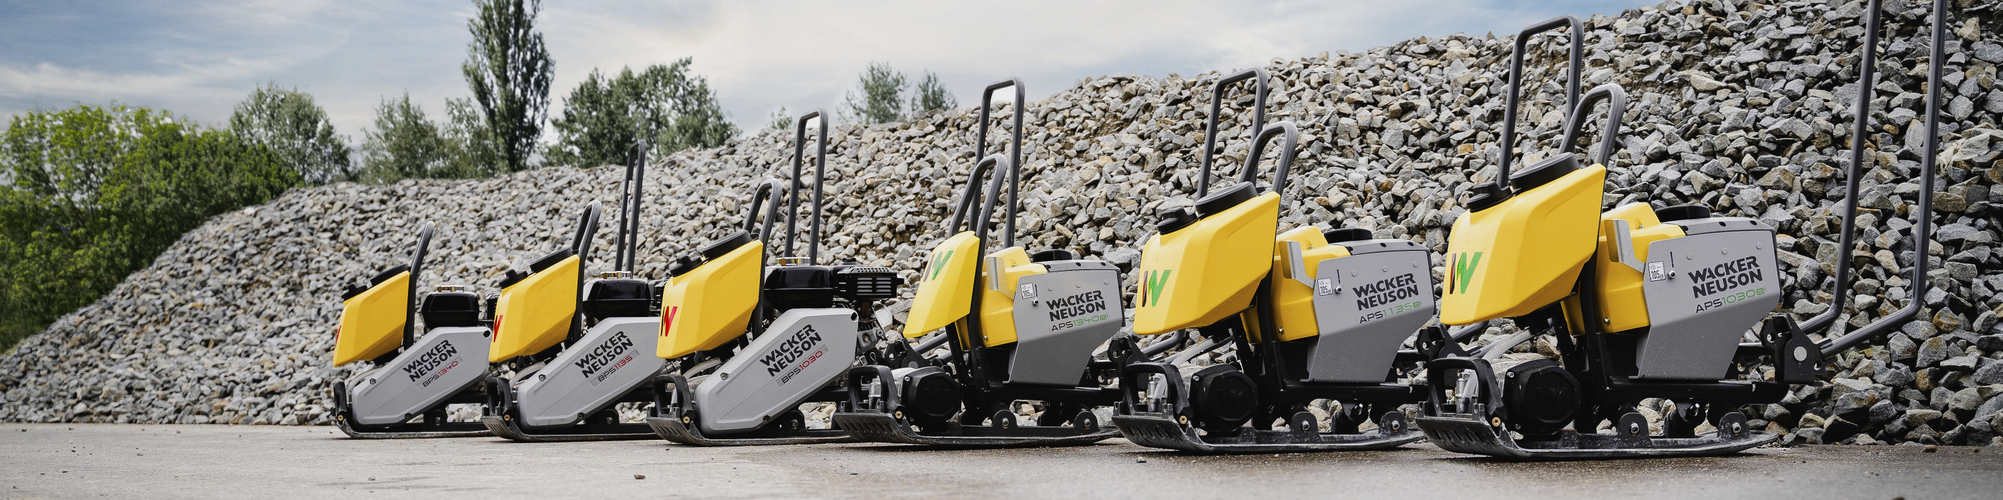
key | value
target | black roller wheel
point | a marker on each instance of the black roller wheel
(1003, 419)
(1085, 420)
(1631, 424)
(1303, 423)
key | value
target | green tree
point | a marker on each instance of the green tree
(98, 192)
(467, 131)
(932, 95)
(779, 120)
(289, 122)
(878, 97)
(509, 72)
(405, 145)
(664, 104)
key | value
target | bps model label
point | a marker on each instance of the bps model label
(1075, 311)
(793, 349)
(607, 358)
(433, 364)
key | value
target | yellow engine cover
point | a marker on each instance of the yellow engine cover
(372, 323)
(1295, 300)
(998, 299)
(1201, 274)
(1619, 287)
(712, 304)
(946, 286)
(1523, 253)
(535, 313)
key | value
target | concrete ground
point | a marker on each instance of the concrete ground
(182, 461)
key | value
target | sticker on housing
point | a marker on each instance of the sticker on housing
(1026, 292)
(1657, 271)
(1324, 287)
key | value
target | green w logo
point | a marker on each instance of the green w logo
(1464, 266)
(938, 264)
(1152, 286)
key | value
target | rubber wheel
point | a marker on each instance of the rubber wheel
(1632, 424)
(1085, 420)
(1003, 419)
(1303, 423)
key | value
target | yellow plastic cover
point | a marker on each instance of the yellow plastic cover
(1524, 253)
(1201, 274)
(945, 287)
(535, 313)
(372, 323)
(998, 302)
(1620, 286)
(1295, 300)
(711, 304)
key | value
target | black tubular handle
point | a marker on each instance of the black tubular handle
(1290, 137)
(820, 175)
(416, 268)
(629, 209)
(981, 221)
(1867, 72)
(969, 198)
(1923, 217)
(587, 227)
(1259, 88)
(1014, 150)
(1616, 98)
(1516, 83)
(767, 194)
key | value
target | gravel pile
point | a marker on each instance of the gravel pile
(1739, 105)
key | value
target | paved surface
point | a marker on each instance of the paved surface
(184, 461)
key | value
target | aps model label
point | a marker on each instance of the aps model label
(1072, 311)
(791, 350)
(607, 358)
(433, 364)
(1726, 277)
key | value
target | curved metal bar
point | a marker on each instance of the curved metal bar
(1922, 217)
(1860, 125)
(628, 241)
(1259, 90)
(1516, 84)
(767, 194)
(1014, 150)
(1616, 98)
(416, 270)
(968, 198)
(1290, 141)
(820, 175)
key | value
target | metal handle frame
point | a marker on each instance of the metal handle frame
(587, 227)
(628, 239)
(1923, 215)
(1577, 63)
(1014, 150)
(1616, 98)
(1259, 79)
(766, 193)
(416, 269)
(820, 177)
(1290, 140)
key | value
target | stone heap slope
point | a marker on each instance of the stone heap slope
(1742, 106)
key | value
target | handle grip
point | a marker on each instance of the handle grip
(1259, 90)
(820, 176)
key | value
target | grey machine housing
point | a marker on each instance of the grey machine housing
(1365, 306)
(802, 352)
(614, 357)
(1061, 316)
(1702, 290)
(442, 363)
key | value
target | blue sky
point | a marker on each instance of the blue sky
(200, 57)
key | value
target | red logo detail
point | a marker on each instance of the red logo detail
(497, 327)
(668, 320)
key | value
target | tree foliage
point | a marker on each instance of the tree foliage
(288, 121)
(96, 193)
(509, 71)
(666, 105)
(930, 95)
(779, 120)
(406, 144)
(878, 96)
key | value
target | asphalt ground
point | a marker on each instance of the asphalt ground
(191, 461)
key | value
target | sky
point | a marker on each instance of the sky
(199, 58)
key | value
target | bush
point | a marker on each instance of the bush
(92, 194)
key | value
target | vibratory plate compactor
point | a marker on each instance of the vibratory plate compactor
(1641, 302)
(1020, 327)
(414, 378)
(1311, 315)
(579, 347)
(748, 355)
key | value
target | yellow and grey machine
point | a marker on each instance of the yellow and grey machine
(739, 378)
(1019, 327)
(580, 346)
(415, 377)
(1311, 315)
(1641, 302)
